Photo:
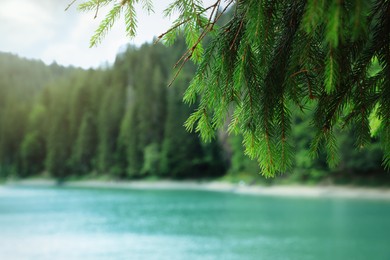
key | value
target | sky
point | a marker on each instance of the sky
(42, 29)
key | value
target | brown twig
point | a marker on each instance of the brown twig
(207, 28)
(179, 24)
(97, 9)
(171, 29)
(66, 9)
(298, 72)
(235, 36)
(179, 70)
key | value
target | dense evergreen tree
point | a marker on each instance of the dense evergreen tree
(239, 162)
(84, 149)
(181, 152)
(21, 82)
(134, 150)
(58, 146)
(33, 148)
(147, 99)
(110, 116)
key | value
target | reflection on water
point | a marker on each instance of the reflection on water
(65, 223)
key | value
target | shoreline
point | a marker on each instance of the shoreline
(328, 191)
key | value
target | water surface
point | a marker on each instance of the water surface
(70, 223)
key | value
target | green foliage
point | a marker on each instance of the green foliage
(84, 149)
(109, 118)
(57, 144)
(21, 82)
(182, 152)
(116, 123)
(134, 151)
(92, 5)
(32, 155)
(33, 144)
(151, 160)
(119, 6)
(107, 24)
(275, 53)
(239, 162)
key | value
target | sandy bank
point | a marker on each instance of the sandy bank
(287, 191)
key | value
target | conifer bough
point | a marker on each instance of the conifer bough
(274, 56)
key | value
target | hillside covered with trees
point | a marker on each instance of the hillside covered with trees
(123, 122)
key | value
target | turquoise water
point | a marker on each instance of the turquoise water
(70, 223)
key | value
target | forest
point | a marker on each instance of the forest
(124, 122)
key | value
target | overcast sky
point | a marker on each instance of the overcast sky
(41, 29)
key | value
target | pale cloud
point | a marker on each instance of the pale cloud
(74, 48)
(24, 25)
(24, 12)
(41, 29)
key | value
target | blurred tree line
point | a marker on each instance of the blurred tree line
(123, 122)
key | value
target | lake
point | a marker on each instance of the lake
(76, 223)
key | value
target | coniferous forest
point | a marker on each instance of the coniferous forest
(123, 122)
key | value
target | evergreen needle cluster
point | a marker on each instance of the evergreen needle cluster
(274, 56)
